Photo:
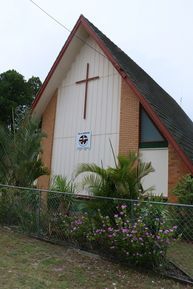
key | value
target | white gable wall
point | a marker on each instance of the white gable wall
(103, 113)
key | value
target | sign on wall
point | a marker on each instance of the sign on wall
(83, 140)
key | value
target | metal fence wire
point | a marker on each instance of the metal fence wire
(147, 234)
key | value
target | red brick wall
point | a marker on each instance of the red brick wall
(129, 120)
(48, 121)
(176, 170)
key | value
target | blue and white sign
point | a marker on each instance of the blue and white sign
(83, 140)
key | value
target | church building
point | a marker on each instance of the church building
(95, 95)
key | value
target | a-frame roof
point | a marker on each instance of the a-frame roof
(171, 120)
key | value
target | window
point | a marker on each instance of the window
(150, 136)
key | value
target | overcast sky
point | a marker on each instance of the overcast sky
(157, 34)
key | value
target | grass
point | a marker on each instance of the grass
(181, 254)
(26, 263)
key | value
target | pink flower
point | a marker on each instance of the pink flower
(98, 231)
(125, 230)
(110, 229)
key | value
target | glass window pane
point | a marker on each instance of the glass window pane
(149, 132)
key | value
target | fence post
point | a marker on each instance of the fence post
(38, 213)
(132, 212)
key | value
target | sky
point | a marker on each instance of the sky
(157, 34)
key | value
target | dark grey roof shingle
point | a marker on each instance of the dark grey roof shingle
(170, 113)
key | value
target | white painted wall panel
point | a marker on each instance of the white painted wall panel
(103, 113)
(159, 178)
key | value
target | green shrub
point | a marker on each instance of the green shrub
(184, 190)
(27, 207)
(19, 208)
(182, 214)
(8, 211)
(139, 241)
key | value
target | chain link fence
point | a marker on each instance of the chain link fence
(147, 234)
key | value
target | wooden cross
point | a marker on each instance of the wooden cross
(86, 87)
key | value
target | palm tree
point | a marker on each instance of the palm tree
(64, 199)
(123, 181)
(20, 149)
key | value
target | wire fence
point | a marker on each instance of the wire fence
(152, 235)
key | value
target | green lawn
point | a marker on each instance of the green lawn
(26, 263)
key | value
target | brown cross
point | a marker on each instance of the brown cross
(86, 87)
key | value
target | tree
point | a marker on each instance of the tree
(16, 94)
(20, 163)
(34, 84)
(123, 181)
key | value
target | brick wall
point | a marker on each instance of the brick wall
(48, 121)
(176, 170)
(129, 120)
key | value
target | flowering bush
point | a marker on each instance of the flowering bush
(76, 228)
(133, 241)
(80, 227)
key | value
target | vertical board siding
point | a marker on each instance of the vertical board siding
(103, 113)
(159, 178)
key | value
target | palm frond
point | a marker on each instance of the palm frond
(123, 180)
(19, 153)
(90, 168)
(144, 169)
(61, 184)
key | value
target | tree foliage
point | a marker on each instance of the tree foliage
(34, 84)
(184, 190)
(20, 163)
(124, 180)
(16, 94)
